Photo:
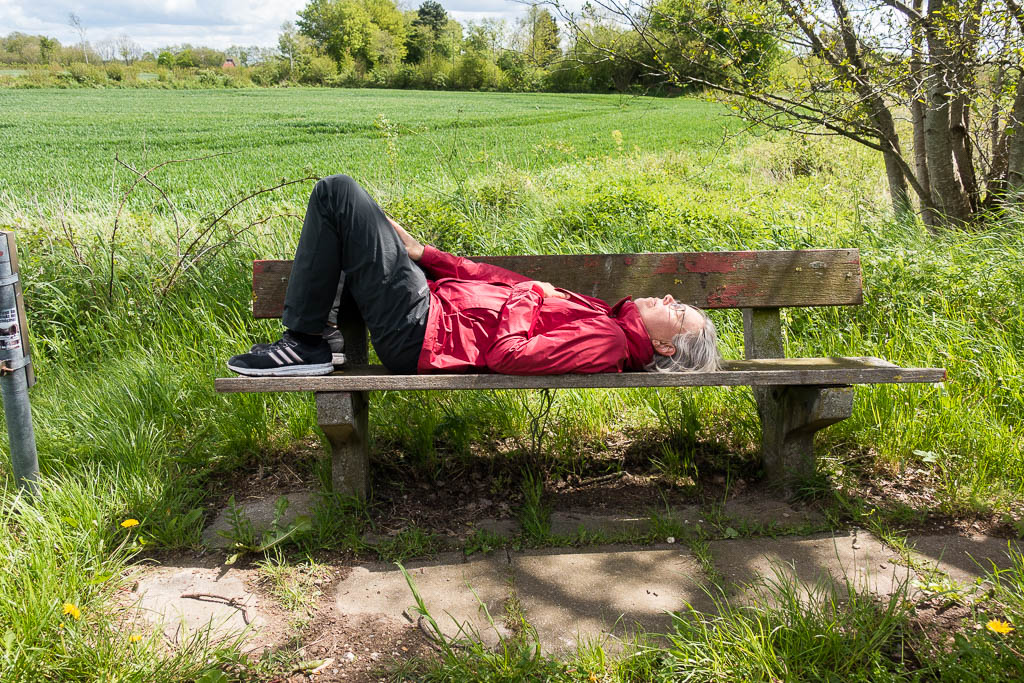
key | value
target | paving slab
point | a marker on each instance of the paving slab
(569, 524)
(506, 527)
(186, 601)
(260, 512)
(586, 595)
(964, 559)
(765, 512)
(855, 556)
(447, 586)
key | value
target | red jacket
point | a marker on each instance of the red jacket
(485, 317)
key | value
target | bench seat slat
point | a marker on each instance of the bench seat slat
(762, 372)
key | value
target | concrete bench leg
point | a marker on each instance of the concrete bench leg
(343, 417)
(790, 416)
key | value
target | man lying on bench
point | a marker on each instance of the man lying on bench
(428, 311)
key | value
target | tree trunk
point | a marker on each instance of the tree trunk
(1015, 146)
(960, 108)
(960, 125)
(917, 101)
(898, 193)
(880, 115)
(928, 214)
(995, 179)
(948, 196)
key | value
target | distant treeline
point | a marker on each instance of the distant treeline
(356, 43)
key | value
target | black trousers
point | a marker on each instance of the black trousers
(346, 235)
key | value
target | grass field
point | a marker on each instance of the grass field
(127, 342)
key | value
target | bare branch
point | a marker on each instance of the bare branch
(202, 239)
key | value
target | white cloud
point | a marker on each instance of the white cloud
(214, 23)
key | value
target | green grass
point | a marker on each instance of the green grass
(125, 412)
(780, 630)
(68, 139)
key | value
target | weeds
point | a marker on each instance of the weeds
(535, 514)
(244, 537)
(465, 657)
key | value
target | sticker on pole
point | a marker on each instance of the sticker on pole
(10, 335)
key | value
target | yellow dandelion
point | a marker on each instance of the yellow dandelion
(60, 625)
(73, 610)
(129, 523)
(999, 626)
(134, 638)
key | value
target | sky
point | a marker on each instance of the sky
(212, 23)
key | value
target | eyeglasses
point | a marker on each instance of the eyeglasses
(676, 306)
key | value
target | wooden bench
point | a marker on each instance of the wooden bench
(795, 397)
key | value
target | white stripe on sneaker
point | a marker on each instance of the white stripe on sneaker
(291, 352)
(277, 357)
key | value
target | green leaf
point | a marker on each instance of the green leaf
(731, 533)
(212, 676)
(309, 665)
(100, 578)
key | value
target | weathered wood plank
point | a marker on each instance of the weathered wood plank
(764, 372)
(733, 279)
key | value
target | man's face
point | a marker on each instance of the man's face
(664, 318)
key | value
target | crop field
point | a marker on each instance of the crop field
(138, 290)
(70, 138)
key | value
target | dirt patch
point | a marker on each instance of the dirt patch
(911, 501)
(355, 649)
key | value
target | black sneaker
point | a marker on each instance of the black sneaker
(332, 335)
(334, 339)
(287, 357)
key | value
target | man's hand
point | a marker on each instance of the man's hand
(412, 245)
(548, 289)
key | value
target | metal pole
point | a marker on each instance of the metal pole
(14, 373)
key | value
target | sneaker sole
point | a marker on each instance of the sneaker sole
(286, 371)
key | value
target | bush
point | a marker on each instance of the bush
(87, 74)
(799, 157)
(38, 78)
(476, 72)
(270, 72)
(211, 78)
(319, 71)
(115, 71)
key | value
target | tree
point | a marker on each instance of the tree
(185, 59)
(543, 45)
(288, 45)
(76, 23)
(106, 49)
(165, 59)
(432, 16)
(955, 66)
(338, 27)
(127, 48)
(247, 55)
(47, 49)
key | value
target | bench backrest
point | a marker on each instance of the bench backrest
(727, 279)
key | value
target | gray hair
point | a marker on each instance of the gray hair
(695, 352)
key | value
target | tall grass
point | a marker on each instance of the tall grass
(125, 413)
(65, 577)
